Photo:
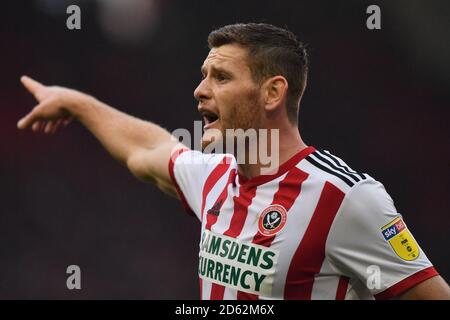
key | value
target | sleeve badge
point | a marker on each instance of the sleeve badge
(400, 239)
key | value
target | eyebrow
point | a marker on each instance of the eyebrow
(215, 69)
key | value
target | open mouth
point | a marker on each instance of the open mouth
(209, 118)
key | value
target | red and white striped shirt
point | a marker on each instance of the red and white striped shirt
(314, 230)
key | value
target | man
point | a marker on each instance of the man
(311, 229)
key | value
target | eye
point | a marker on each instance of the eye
(221, 77)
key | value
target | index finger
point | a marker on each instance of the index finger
(32, 85)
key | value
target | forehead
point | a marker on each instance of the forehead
(227, 56)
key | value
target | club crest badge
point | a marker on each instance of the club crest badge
(272, 220)
(400, 239)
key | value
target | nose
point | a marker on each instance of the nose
(202, 92)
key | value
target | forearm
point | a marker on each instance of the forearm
(144, 147)
(432, 289)
(120, 133)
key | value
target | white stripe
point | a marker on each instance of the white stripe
(325, 283)
(230, 294)
(215, 192)
(263, 199)
(358, 291)
(289, 238)
(206, 290)
(348, 176)
(224, 218)
(264, 196)
(341, 162)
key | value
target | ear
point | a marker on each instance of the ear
(275, 91)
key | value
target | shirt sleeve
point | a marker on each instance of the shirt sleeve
(189, 170)
(370, 241)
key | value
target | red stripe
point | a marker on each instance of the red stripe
(282, 169)
(172, 159)
(246, 296)
(310, 253)
(241, 205)
(407, 283)
(247, 192)
(211, 219)
(217, 291)
(211, 181)
(342, 288)
(288, 191)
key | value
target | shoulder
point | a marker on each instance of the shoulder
(195, 159)
(368, 195)
(324, 166)
(361, 194)
(365, 209)
(193, 167)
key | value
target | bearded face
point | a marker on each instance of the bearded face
(228, 96)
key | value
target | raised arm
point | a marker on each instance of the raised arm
(144, 147)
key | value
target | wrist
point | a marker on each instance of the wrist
(79, 104)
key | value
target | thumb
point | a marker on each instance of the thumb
(28, 120)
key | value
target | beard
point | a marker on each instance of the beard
(243, 114)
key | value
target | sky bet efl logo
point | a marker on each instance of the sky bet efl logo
(400, 239)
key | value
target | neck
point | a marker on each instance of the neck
(279, 151)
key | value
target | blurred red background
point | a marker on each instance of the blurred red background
(379, 99)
